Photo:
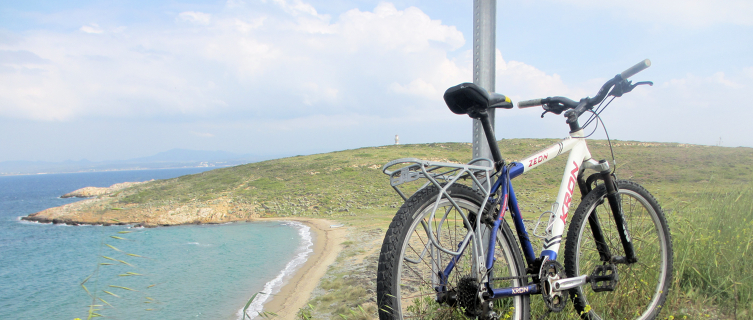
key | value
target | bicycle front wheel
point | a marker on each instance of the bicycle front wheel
(413, 277)
(642, 286)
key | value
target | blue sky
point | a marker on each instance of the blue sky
(106, 80)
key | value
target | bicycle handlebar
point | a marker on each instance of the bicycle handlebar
(529, 103)
(638, 67)
(587, 103)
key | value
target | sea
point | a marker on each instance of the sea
(66, 272)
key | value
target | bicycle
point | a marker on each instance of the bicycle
(450, 253)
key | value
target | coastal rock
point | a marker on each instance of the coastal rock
(108, 211)
(88, 192)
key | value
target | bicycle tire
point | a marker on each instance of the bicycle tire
(642, 287)
(405, 289)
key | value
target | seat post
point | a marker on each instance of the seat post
(486, 123)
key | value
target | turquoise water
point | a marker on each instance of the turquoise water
(183, 272)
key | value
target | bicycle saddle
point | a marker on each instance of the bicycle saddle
(469, 98)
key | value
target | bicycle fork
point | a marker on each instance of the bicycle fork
(613, 198)
(603, 277)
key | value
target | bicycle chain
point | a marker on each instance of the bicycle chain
(525, 277)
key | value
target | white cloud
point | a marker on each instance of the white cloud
(409, 30)
(417, 87)
(195, 17)
(260, 64)
(521, 81)
(721, 79)
(297, 68)
(248, 26)
(92, 28)
(297, 7)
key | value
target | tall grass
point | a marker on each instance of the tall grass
(105, 286)
(713, 242)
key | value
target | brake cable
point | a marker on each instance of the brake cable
(595, 115)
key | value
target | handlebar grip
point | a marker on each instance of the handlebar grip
(529, 103)
(640, 66)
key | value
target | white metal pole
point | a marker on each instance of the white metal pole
(484, 26)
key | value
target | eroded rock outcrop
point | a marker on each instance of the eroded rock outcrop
(104, 207)
(88, 192)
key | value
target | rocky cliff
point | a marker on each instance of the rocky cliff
(88, 192)
(103, 208)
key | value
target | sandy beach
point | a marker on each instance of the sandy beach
(297, 291)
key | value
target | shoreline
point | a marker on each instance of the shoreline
(298, 289)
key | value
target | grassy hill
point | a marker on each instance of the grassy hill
(707, 193)
(346, 182)
(338, 182)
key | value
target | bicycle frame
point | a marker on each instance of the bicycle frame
(579, 159)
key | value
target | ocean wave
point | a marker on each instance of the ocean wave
(273, 286)
(37, 222)
(30, 222)
(20, 220)
(199, 244)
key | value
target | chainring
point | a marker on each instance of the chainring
(552, 271)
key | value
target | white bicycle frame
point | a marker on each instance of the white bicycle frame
(578, 160)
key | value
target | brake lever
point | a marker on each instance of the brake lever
(553, 107)
(626, 86)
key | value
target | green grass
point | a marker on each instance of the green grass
(713, 238)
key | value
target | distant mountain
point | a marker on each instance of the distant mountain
(175, 158)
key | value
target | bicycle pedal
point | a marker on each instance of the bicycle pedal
(604, 278)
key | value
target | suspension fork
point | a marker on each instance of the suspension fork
(593, 220)
(613, 198)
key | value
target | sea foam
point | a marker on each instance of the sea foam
(273, 286)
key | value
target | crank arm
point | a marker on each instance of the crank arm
(569, 283)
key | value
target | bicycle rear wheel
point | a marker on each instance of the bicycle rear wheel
(642, 287)
(408, 275)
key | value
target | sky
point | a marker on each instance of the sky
(110, 80)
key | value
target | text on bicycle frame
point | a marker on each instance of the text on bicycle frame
(569, 194)
(537, 160)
